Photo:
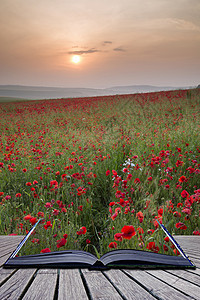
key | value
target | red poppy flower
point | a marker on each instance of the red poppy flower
(152, 246)
(107, 172)
(40, 214)
(18, 195)
(118, 237)
(166, 239)
(128, 232)
(27, 217)
(140, 230)
(184, 194)
(82, 230)
(112, 245)
(114, 173)
(196, 232)
(165, 248)
(140, 216)
(46, 250)
(176, 252)
(47, 225)
(182, 179)
(33, 221)
(180, 225)
(137, 180)
(61, 242)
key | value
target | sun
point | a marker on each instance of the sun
(76, 59)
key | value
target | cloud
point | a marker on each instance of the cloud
(184, 24)
(107, 42)
(119, 49)
(80, 52)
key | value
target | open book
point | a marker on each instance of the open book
(126, 258)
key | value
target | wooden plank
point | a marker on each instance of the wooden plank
(195, 261)
(196, 271)
(71, 285)
(14, 287)
(8, 249)
(11, 237)
(43, 286)
(156, 286)
(180, 284)
(10, 241)
(4, 258)
(5, 273)
(99, 287)
(126, 286)
(191, 277)
(188, 241)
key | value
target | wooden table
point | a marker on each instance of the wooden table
(113, 284)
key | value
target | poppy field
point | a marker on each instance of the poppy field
(101, 171)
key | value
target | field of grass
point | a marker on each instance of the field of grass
(101, 171)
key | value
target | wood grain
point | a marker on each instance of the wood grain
(180, 284)
(99, 287)
(13, 288)
(43, 286)
(157, 287)
(127, 287)
(71, 285)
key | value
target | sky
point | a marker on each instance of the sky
(118, 42)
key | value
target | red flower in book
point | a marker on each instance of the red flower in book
(128, 232)
(140, 230)
(118, 237)
(61, 242)
(46, 250)
(82, 230)
(47, 225)
(140, 216)
(35, 241)
(40, 214)
(165, 248)
(27, 217)
(137, 180)
(112, 245)
(152, 246)
(33, 221)
(107, 172)
(160, 211)
(181, 225)
(182, 179)
(176, 252)
(196, 232)
(184, 194)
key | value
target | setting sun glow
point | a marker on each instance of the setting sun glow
(76, 59)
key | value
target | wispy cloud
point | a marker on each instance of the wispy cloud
(80, 52)
(184, 24)
(107, 42)
(119, 49)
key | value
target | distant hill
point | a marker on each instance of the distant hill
(39, 92)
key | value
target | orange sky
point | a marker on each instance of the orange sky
(119, 42)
